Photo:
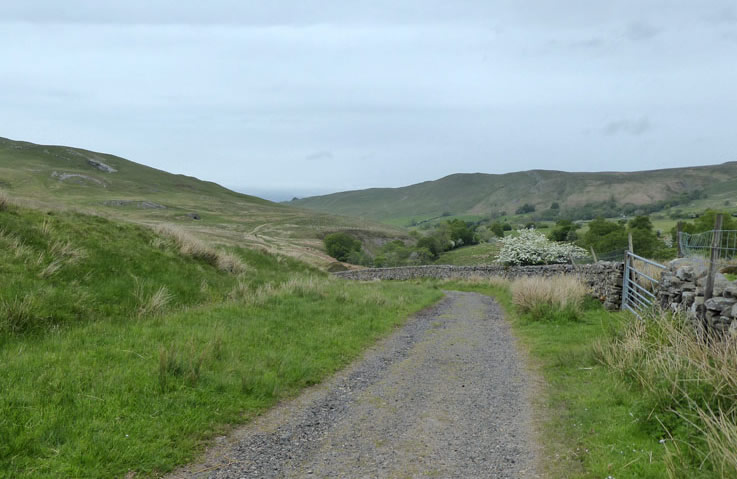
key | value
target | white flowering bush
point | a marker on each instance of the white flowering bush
(529, 247)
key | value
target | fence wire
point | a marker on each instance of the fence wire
(699, 245)
(617, 256)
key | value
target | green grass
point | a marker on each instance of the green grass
(593, 424)
(483, 253)
(98, 377)
(109, 397)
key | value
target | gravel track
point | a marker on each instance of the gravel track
(446, 396)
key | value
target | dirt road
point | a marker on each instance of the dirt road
(446, 396)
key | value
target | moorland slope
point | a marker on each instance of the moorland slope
(485, 194)
(51, 177)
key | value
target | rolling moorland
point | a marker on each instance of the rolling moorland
(132, 335)
(59, 176)
(476, 196)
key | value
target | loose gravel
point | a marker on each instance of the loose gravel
(446, 396)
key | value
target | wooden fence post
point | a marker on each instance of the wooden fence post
(593, 255)
(629, 240)
(679, 227)
(713, 257)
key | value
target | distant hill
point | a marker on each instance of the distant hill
(480, 194)
(47, 176)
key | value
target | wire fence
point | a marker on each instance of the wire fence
(617, 256)
(700, 245)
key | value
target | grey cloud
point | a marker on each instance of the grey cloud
(725, 16)
(421, 88)
(628, 127)
(589, 43)
(320, 156)
(640, 31)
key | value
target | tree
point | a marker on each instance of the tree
(460, 233)
(641, 222)
(526, 208)
(497, 229)
(340, 245)
(555, 206)
(605, 236)
(565, 230)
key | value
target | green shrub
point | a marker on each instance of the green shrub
(340, 245)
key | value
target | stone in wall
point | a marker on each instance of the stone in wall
(682, 289)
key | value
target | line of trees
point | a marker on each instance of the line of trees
(422, 248)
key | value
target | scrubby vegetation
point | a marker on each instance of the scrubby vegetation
(705, 222)
(689, 382)
(607, 236)
(423, 248)
(341, 245)
(122, 350)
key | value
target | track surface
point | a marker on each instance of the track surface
(445, 396)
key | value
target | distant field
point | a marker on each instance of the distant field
(483, 253)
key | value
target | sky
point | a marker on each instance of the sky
(301, 97)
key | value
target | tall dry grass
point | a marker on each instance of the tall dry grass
(298, 286)
(190, 246)
(151, 304)
(649, 271)
(533, 294)
(692, 380)
(61, 253)
(12, 243)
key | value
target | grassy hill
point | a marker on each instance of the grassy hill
(484, 194)
(52, 177)
(123, 349)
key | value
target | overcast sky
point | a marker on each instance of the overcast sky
(290, 98)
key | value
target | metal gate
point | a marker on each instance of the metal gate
(641, 281)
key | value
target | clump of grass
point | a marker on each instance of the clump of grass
(691, 380)
(61, 253)
(548, 298)
(4, 201)
(301, 286)
(173, 364)
(14, 244)
(190, 246)
(17, 314)
(154, 303)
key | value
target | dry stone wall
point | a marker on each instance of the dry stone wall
(604, 278)
(682, 289)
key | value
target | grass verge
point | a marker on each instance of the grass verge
(111, 397)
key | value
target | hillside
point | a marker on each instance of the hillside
(481, 194)
(51, 177)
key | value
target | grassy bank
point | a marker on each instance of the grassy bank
(125, 349)
(482, 253)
